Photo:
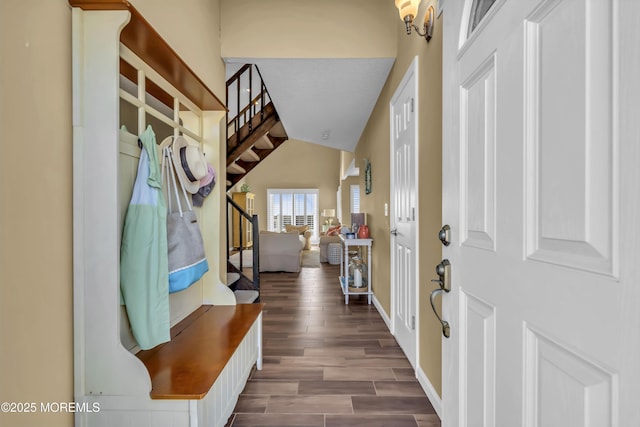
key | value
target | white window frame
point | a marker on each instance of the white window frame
(278, 192)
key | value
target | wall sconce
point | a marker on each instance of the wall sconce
(408, 10)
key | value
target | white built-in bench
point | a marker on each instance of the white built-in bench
(208, 360)
(193, 380)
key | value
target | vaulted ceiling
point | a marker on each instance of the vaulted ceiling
(324, 62)
(325, 101)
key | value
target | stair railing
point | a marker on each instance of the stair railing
(246, 106)
(245, 282)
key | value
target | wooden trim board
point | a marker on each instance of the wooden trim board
(143, 40)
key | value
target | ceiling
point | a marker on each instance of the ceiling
(324, 101)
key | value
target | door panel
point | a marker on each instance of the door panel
(540, 188)
(559, 382)
(478, 361)
(478, 112)
(570, 211)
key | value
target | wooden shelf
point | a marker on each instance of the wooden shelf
(143, 40)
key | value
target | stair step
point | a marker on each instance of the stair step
(246, 297)
(264, 143)
(235, 169)
(277, 131)
(232, 278)
(250, 156)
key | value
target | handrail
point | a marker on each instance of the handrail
(255, 280)
(238, 208)
(244, 113)
(238, 74)
(248, 107)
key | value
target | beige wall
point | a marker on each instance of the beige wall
(36, 335)
(374, 144)
(36, 353)
(295, 164)
(345, 160)
(36, 301)
(430, 203)
(307, 29)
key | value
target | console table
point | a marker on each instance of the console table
(344, 267)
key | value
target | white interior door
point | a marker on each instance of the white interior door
(541, 189)
(404, 212)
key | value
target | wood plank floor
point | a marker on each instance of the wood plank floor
(328, 364)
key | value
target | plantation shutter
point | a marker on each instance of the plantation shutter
(292, 207)
(355, 198)
(274, 216)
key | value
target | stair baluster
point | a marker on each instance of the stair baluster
(255, 118)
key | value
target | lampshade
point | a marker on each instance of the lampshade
(328, 213)
(407, 7)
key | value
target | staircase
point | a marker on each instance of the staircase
(244, 284)
(253, 133)
(255, 130)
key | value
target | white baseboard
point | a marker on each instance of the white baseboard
(426, 385)
(383, 314)
(431, 393)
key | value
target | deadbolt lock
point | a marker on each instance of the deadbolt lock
(443, 270)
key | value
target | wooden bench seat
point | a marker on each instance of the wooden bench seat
(201, 346)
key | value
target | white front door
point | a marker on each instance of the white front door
(541, 188)
(404, 206)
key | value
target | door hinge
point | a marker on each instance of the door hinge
(412, 105)
(413, 323)
(413, 213)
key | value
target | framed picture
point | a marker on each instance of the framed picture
(367, 177)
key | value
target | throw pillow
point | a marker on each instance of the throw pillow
(300, 229)
(333, 231)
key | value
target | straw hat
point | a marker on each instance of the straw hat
(189, 163)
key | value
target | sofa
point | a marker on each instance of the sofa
(281, 251)
(324, 246)
(303, 230)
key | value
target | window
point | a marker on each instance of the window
(292, 207)
(355, 198)
(479, 9)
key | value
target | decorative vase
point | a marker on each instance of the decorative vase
(363, 232)
(357, 273)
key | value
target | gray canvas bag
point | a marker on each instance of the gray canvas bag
(187, 259)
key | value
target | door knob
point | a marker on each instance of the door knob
(394, 231)
(445, 235)
(443, 270)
